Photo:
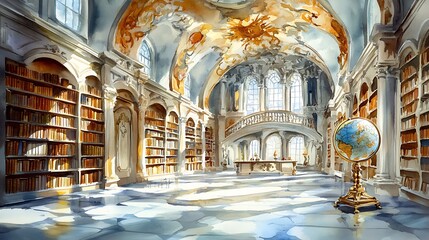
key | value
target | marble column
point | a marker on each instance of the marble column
(305, 90)
(319, 88)
(141, 163)
(241, 99)
(223, 97)
(181, 168)
(203, 140)
(219, 138)
(386, 122)
(110, 95)
(262, 92)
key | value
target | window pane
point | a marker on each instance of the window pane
(69, 18)
(60, 12)
(75, 21)
(252, 96)
(275, 92)
(76, 6)
(61, 1)
(296, 101)
(296, 149)
(69, 3)
(254, 148)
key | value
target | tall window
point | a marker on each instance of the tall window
(296, 102)
(145, 57)
(68, 12)
(275, 92)
(296, 148)
(254, 148)
(252, 104)
(274, 143)
(188, 86)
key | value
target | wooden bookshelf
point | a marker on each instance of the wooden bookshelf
(91, 132)
(209, 142)
(172, 143)
(155, 132)
(409, 135)
(41, 117)
(329, 144)
(193, 156)
(355, 107)
(363, 103)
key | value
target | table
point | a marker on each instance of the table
(287, 167)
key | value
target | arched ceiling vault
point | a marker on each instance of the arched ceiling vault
(241, 30)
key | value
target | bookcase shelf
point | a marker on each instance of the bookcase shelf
(193, 152)
(41, 132)
(209, 144)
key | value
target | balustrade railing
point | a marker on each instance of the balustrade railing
(278, 116)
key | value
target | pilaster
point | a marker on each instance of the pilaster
(110, 95)
(182, 145)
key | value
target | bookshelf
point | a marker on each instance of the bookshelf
(409, 96)
(193, 152)
(91, 132)
(40, 118)
(363, 104)
(209, 142)
(355, 112)
(172, 146)
(329, 144)
(338, 162)
(155, 132)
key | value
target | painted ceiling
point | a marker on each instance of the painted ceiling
(217, 35)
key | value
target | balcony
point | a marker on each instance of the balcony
(277, 119)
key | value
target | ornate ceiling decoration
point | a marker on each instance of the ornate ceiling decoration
(237, 29)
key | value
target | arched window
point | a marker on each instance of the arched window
(145, 57)
(296, 148)
(296, 102)
(188, 86)
(254, 148)
(274, 143)
(252, 104)
(68, 12)
(274, 92)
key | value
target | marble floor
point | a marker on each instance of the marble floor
(215, 206)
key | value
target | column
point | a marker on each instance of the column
(141, 163)
(287, 96)
(262, 92)
(222, 97)
(182, 146)
(305, 90)
(319, 87)
(219, 138)
(386, 122)
(284, 146)
(241, 100)
(110, 146)
(203, 140)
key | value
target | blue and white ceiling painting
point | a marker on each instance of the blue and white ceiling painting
(332, 33)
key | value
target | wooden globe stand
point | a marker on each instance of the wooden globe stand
(356, 196)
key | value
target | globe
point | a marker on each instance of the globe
(356, 139)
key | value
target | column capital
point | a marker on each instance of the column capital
(110, 93)
(385, 70)
(143, 101)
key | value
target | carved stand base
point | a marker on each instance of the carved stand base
(356, 196)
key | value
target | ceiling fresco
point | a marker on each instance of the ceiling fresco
(240, 30)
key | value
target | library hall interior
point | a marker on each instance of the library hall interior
(214, 119)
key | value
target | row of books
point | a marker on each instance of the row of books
(92, 162)
(154, 124)
(172, 135)
(425, 56)
(91, 114)
(91, 137)
(408, 85)
(158, 169)
(91, 101)
(49, 91)
(39, 118)
(14, 166)
(408, 137)
(409, 123)
(407, 72)
(410, 182)
(193, 159)
(425, 105)
(425, 187)
(425, 166)
(153, 142)
(151, 151)
(172, 152)
(424, 151)
(39, 132)
(90, 177)
(409, 163)
(91, 90)
(409, 97)
(172, 144)
(24, 148)
(190, 152)
(424, 133)
(21, 70)
(425, 88)
(373, 103)
(92, 150)
(91, 126)
(40, 103)
(151, 133)
(172, 125)
(153, 114)
(193, 166)
(409, 109)
(154, 160)
(37, 183)
(409, 152)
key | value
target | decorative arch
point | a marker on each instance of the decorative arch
(273, 145)
(296, 148)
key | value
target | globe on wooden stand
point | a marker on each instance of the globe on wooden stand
(357, 140)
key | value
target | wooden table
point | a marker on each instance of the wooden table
(287, 167)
